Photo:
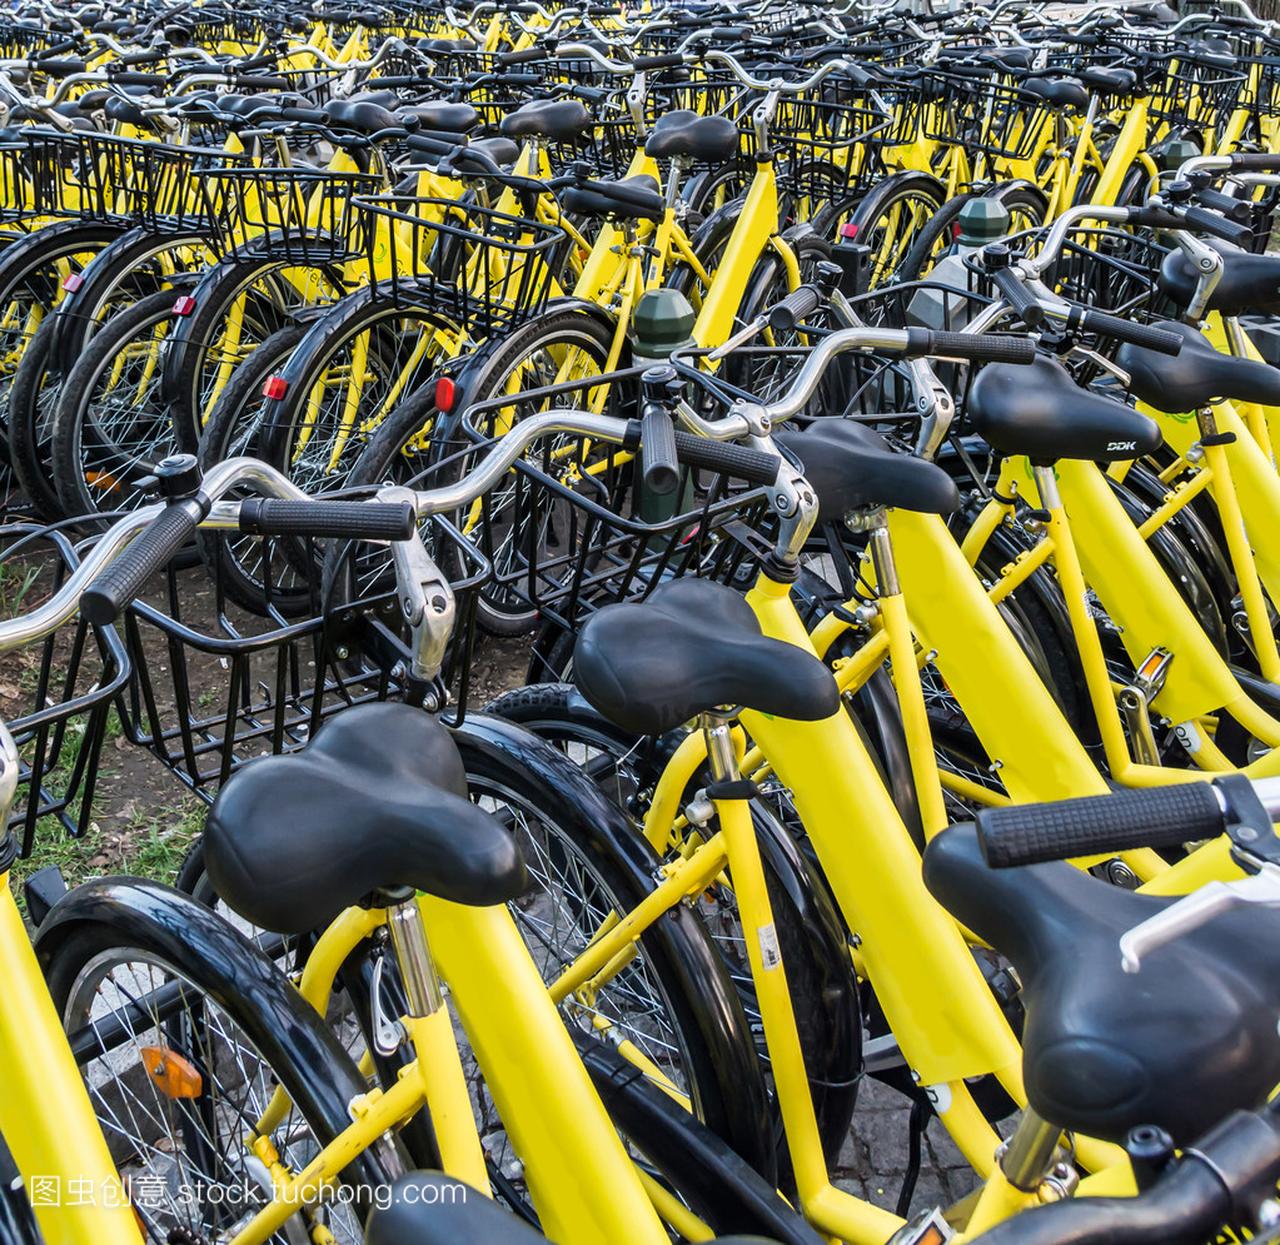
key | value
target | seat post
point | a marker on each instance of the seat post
(1032, 1154)
(413, 954)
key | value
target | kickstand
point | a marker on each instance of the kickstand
(921, 1112)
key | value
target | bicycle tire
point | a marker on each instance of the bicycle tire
(230, 431)
(103, 922)
(83, 445)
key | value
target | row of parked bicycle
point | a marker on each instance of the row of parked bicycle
(861, 418)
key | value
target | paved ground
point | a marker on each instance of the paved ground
(874, 1159)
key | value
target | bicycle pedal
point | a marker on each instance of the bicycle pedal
(1153, 673)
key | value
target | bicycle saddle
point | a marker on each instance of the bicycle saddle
(560, 120)
(428, 1208)
(1039, 411)
(360, 116)
(1062, 92)
(1109, 78)
(447, 45)
(1196, 375)
(685, 133)
(692, 646)
(1187, 1039)
(442, 116)
(851, 467)
(378, 799)
(1249, 284)
(635, 198)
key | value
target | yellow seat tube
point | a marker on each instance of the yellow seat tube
(910, 944)
(584, 1186)
(46, 1117)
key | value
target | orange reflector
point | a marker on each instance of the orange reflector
(171, 1074)
(104, 481)
(1150, 666)
(446, 392)
(276, 387)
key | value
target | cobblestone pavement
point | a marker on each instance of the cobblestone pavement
(874, 1159)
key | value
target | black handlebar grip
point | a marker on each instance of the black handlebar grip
(1099, 825)
(660, 468)
(1205, 221)
(104, 600)
(355, 520)
(525, 57)
(978, 347)
(60, 68)
(138, 58)
(266, 61)
(431, 146)
(133, 77)
(801, 303)
(257, 82)
(1146, 335)
(1021, 299)
(1255, 162)
(1154, 217)
(1237, 210)
(670, 60)
(739, 461)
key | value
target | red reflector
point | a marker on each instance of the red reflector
(72, 282)
(849, 230)
(446, 392)
(956, 230)
(184, 306)
(276, 387)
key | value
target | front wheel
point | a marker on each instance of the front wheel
(184, 1032)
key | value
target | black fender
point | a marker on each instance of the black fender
(216, 287)
(720, 1188)
(1020, 184)
(238, 976)
(81, 307)
(468, 367)
(19, 258)
(491, 746)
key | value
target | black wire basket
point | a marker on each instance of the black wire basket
(298, 215)
(571, 528)
(23, 195)
(989, 114)
(484, 269)
(1200, 92)
(137, 182)
(56, 696)
(215, 685)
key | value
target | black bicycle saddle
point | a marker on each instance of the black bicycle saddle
(1039, 411)
(1188, 1038)
(692, 646)
(442, 116)
(685, 133)
(1250, 283)
(850, 467)
(1196, 375)
(378, 799)
(560, 120)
